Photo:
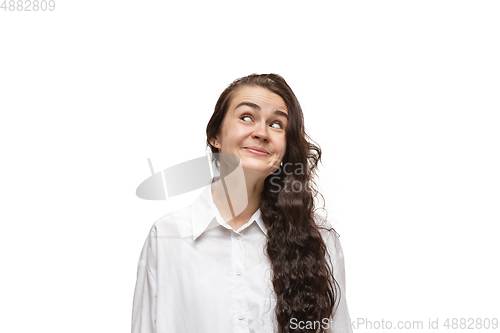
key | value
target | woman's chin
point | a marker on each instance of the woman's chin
(258, 169)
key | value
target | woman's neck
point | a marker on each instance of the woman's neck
(237, 197)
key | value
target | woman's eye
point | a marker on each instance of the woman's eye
(279, 125)
(243, 117)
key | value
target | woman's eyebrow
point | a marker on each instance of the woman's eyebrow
(257, 107)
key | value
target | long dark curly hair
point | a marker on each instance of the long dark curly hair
(302, 278)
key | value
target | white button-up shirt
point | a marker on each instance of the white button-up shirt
(198, 275)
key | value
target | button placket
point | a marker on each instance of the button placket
(238, 254)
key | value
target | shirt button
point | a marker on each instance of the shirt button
(240, 317)
(238, 273)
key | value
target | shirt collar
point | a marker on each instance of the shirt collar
(205, 215)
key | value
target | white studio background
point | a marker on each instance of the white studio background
(402, 96)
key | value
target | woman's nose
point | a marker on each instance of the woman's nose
(261, 133)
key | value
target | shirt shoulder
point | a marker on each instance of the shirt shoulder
(330, 237)
(175, 224)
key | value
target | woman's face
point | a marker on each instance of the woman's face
(257, 118)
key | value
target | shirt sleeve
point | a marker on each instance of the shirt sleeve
(341, 322)
(144, 304)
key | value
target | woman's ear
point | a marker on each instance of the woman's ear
(215, 143)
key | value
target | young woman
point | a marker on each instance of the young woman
(250, 255)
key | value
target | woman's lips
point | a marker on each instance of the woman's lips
(256, 152)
